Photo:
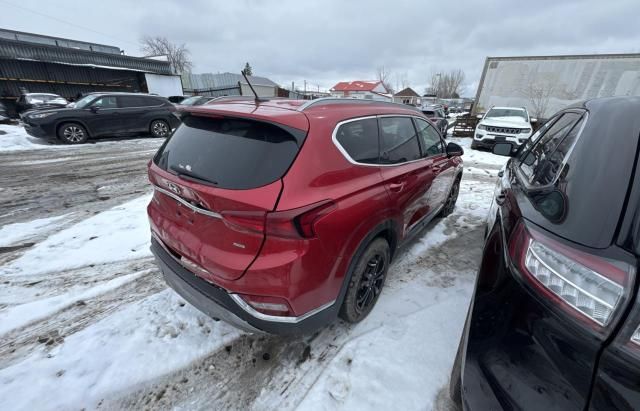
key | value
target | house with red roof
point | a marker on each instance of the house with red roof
(368, 90)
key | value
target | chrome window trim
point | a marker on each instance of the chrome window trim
(346, 155)
(522, 177)
(277, 318)
(187, 204)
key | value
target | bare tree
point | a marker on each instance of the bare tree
(539, 93)
(384, 76)
(178, 55)
(446, 85)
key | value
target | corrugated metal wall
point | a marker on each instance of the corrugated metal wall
(219, 80)
(11, 49)
(62, 79)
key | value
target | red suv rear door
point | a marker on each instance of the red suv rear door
(406, 174)
(439, 166)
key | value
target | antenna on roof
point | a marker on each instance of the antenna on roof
(257, 99)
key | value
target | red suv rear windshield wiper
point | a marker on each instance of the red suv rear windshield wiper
(191, 176)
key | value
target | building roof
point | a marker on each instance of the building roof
(57, 41)
(407, 92)
(207, 81)
(12, 49)
(356, 85)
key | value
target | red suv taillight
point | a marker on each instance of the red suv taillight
(586, 286)
(296, 223)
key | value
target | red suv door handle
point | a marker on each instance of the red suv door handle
(396, 187)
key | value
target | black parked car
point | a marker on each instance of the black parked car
(177, 99)
(4, 114)
(554, 320)
(105, 114)
(38, 101)
(196, 100)
(437, 115)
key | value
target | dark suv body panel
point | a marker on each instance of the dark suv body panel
(525, 346)
(131, 113)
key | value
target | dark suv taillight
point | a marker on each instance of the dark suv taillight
(586, 286)
(635, 337)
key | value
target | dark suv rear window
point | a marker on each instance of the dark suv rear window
(229, 153)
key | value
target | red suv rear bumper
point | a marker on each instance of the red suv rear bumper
(221, 304)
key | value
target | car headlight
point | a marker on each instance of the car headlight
(40, 115)
(482, 127)
(525, 130)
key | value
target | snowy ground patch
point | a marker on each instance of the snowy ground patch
(14, 233)
(117, 234)
(14, 138)
(136, 344)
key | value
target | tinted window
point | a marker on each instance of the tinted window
(538, 164)
(429, 138)
(136, 101)
(229, 153)
(105, 102)
(553, 162)
(506, 112)
(398, 140)
(360, 140)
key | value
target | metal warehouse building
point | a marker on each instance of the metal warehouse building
(35, 63)
(227, 84)
(545, 84)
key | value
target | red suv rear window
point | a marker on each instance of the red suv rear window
(229, 153)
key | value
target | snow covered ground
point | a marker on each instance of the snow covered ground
(87, 322)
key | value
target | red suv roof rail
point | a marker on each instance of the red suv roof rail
(337, 100)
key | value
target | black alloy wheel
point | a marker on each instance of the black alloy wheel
(366, 282)
(450, 204)
(160, 129)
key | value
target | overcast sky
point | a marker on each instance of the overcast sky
(327, 41)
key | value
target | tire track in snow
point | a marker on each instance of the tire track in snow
(75, 316)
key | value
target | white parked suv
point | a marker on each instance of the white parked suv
(504, 125)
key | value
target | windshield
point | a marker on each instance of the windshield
(507, 112)
(45, 98)
(193, 101)
(84, 101)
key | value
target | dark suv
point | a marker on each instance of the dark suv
(104, 114)
(436, 114)
(554, 319)
(279, 215)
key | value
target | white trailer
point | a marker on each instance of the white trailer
(545, 84)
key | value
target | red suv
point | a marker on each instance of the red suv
(281, 215)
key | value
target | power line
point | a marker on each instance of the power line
(66, 22)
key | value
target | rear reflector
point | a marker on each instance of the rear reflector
(267, 305)
(588, 284)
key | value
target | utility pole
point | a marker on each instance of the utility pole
(305, 87)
